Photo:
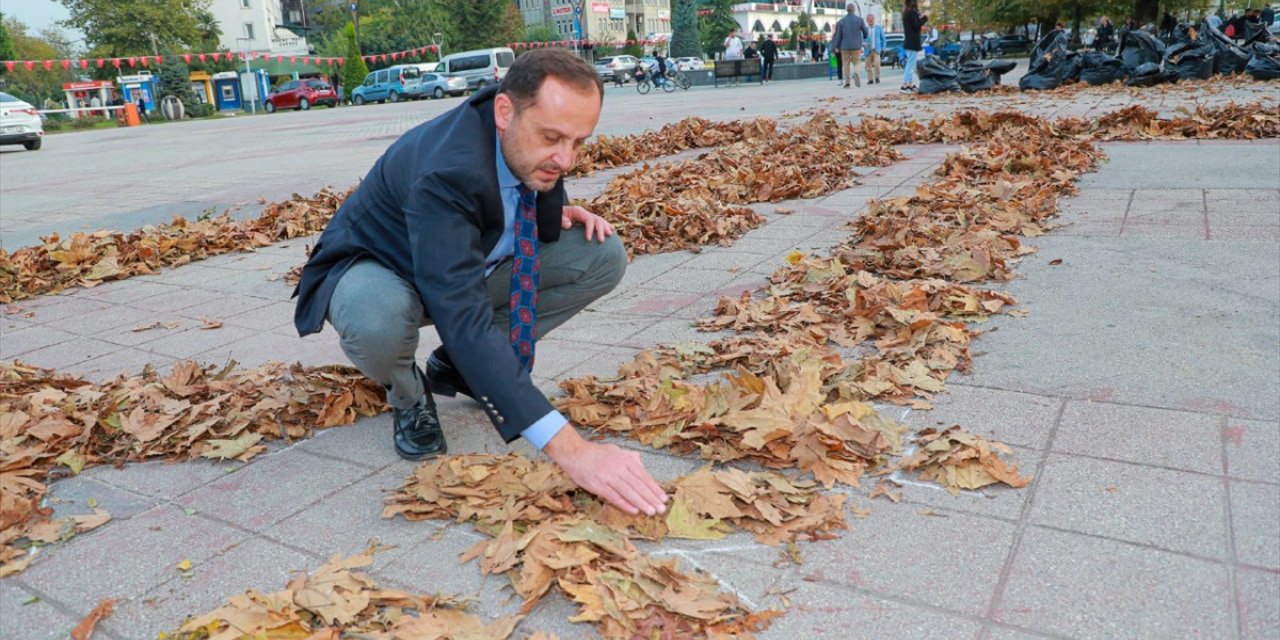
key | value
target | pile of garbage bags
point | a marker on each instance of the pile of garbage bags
(1195, 52)
(969, 76)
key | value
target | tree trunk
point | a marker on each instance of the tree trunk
(1077, 38)
(1145, 11)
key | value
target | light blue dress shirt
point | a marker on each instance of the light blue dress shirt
(876, 42)
(539, 433)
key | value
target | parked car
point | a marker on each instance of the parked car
(393, 83)
(786, 55)
(480, 68)
(20, 123)
(609, 68)
(690, 64)
(437, 85)
(301, 94)
(1008, 44)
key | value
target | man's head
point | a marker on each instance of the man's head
(871, 19)
(546, 107)
(851, 7)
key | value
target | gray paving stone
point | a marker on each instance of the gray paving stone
(128, 558)
(998, 632)
(125, 361)
(645, 301)
(1177, 439)
(194, 342)
(1168, 509)
(1245, 233)
(884, 554)
(1258, 604)
(347, 520)
(158, 479)
(25, 615)
(125, 335)
(268, 316)
(224, 306)
(555, 356)
(687, 280)
(267, 490)
(366, 443)
(1087, 587)
(1253, 450)
(1174, 230)
(254, 563)
(68, 352)
(822, 608)
(126, 291)
(646, 267)
(431, 566)
(181, 298)
(93, 324)
(24, 340)
(601, 328)
(79, 495)
(1010, 417)
(1255, 517)
(670, 331)
(604, 364)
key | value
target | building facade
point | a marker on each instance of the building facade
(601, 20)
(758, 19)
(257, 25)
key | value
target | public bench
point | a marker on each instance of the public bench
(738, 69)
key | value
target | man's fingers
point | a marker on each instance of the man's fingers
(613, 498)
(627, 490)
(656, 496)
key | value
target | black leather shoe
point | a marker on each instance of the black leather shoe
(417, 429)
(444, 378)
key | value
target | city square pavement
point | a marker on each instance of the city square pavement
(1142, 391)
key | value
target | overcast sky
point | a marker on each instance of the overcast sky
(38, 14)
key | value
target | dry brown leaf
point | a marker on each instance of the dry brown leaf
(84, 630)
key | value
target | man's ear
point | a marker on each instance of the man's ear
(504, 111)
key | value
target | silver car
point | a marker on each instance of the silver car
(616, 66)
(20, 123)
(437, 85)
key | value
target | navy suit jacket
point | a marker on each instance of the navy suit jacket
(430, 211)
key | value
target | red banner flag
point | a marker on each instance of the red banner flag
(186, 57)
(66, 64)
(144, 60)
(200, 56)
(48, 65)
(84, 64)
(293, 59)
(29, 64)
(8, 65)
(217, 57)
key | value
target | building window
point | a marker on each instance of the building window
(248, 30)
(244, 4)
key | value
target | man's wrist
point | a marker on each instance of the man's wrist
(565, 444)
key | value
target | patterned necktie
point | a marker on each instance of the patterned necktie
(524, 278)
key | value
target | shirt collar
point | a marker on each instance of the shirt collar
(506, 179)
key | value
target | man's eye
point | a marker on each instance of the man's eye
(552, 138)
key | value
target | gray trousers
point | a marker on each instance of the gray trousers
(377, 314)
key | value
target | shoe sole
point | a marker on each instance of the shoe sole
(421, 456)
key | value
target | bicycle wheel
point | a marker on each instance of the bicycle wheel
(643, 86)
(683, 81)
(668, 85)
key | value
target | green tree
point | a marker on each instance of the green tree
(685, 38)
(541, 33)
(33, 86)
(6, 44)
(175, 80)
(633, 49)
(354, 70)
(715, 26)
(137, 27)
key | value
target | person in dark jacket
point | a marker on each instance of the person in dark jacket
(1268, 16)
(1168, 24)
(768, 56)
(458, 225)
(849, 35)
(1106, 35)
(912, 23)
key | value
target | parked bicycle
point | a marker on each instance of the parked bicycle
(678, 78)
(647, 81)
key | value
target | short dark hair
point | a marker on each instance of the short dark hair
(524, 79)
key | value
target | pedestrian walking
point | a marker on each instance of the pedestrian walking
(732, 46)
(1167, 26)
(849, 35)
(1106, 35)
(480, 242)
(768, 55)
(834, 56)
(912, 24)
(142, 106)
(874, 49)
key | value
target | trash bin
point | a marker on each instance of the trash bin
(131, 115)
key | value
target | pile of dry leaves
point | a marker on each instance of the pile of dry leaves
(89, 259)
(546, 532)
(957, 460)
(337, 601)
(1232, 122)
(699, 201)
(54, 424)
(606, 152)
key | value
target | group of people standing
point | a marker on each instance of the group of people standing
(855, 38)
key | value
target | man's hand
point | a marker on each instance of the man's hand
(607, 471)
(593, 223)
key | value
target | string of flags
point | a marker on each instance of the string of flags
(144, 62)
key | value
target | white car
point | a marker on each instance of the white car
(19, 123)
(690, 64)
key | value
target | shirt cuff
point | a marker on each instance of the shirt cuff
(541, 432)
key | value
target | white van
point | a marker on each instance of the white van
(481, 67)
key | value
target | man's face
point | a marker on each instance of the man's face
(871, 20)
(541, 141)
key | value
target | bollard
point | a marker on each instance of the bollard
(131, 115)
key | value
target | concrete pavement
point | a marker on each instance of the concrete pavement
(1141, 391)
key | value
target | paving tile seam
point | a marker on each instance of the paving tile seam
(1145, 465)
(59, 605)
(1139, 545)
(297, 442)
(1233, 585)
(1127, 206)
(1086, 399)
(1006, 568)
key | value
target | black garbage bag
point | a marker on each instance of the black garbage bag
(1228, 57)
(973, 76)
(1001, 67)
(1149, 74)
(1051, 64)
(1264, 64)
(1138, 48)
(936, 76)
(1097, 68)
(1256, 32)
(1192, 59)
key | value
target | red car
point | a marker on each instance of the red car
(301, 94)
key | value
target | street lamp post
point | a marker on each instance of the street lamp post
(437, 39)
(253, 106)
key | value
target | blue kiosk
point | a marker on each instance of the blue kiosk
(141, 84)
(226, 90)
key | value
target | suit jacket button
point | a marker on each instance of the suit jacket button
(484, 398)
(500, 419)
